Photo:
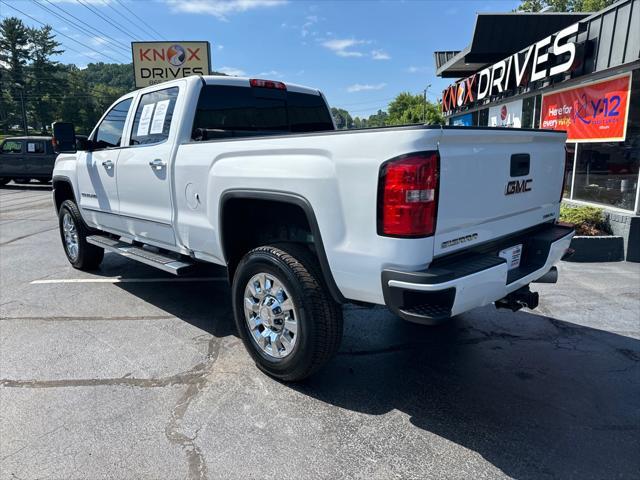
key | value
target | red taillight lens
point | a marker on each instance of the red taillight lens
(256, 82)
(408, 195)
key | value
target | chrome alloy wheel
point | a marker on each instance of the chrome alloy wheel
(271, 315)
(70, 233)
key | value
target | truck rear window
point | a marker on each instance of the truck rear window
(227, 111)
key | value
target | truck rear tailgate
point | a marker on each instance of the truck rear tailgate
(494, 182)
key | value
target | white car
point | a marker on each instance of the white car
(251, 174)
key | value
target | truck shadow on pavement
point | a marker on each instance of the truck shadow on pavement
(535, 396)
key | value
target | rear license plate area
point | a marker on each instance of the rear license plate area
(512, 255)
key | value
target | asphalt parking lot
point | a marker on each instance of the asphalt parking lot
(143, 377)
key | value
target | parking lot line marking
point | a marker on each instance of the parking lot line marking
(128, 280)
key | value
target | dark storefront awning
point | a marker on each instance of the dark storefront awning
(498, 35)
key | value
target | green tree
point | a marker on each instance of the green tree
(564, 5)
(110, 74)
(360, 122)
(342, 118)
(407, 108)
(378, 119)
(14, 53)
(45, 85)
(77, 106)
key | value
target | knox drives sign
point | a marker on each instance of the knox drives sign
(553, 55)
(156, 62)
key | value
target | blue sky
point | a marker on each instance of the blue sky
(359, 53)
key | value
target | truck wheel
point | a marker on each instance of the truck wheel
(284, 313)
(74, 232)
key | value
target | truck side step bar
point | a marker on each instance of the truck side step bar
(163, 261)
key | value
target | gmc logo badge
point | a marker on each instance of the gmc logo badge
(518, 186)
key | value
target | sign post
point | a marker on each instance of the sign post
(156, 62)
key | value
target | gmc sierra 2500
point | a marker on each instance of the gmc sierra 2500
(251, 174)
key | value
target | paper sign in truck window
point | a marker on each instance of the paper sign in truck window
(159, 115)
(145, 120)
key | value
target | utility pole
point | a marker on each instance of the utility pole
(424, 105)
(24, 112)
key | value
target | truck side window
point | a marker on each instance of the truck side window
(109, 132)
(35, 147)
(153, 116)
(12, 146)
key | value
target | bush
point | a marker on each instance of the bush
(587, 220)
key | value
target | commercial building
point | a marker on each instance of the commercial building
(564, 71)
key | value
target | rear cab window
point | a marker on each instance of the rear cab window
(12, 146)
(231, 111)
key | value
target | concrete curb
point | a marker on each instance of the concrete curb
(609, 248)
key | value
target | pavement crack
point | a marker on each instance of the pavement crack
(27, 236)
(194, 376)
(195, 459)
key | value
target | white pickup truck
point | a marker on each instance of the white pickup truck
(251, 174)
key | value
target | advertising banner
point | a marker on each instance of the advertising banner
(506, 115)
(156, 62)
(465, 120)
(592, 113)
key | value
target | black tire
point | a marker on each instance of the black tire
(319, 316)
(88, 257)
(21, 180)
(4, 181)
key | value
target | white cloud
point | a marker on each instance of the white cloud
(220, 8)
(307, 28)
(380, 55)
(360, 87)
(234, 72)
(220, 46)
(97, 3)
(414, 69)
(271, 73)
(98, 41)
(343, 47)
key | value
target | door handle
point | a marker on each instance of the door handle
(108, 164)
(157, 164)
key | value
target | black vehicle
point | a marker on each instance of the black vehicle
(25, 158)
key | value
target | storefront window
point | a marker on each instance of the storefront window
(568, 169)
(483, 118)
(529, 112)
(607, 173)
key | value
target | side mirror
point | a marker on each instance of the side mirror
(64, 137)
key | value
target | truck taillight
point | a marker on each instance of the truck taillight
(408, 195)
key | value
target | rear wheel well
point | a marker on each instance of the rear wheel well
(62, 190)
(248, 223)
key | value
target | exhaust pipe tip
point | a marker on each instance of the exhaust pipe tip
(550, 277)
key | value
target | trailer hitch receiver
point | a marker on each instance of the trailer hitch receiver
(523, 297)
